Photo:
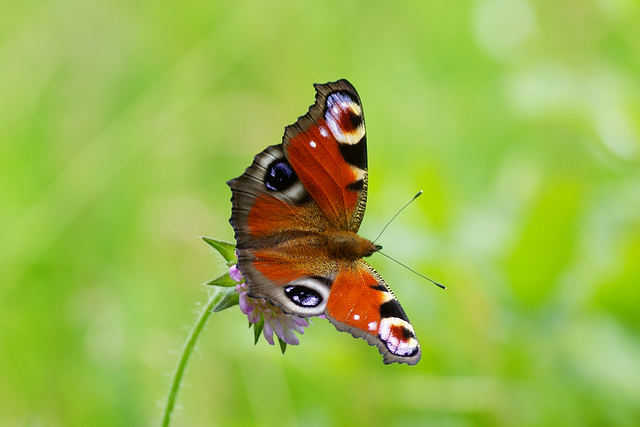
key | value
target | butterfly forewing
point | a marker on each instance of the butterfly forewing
(328, 149)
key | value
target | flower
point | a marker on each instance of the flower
(235, 274)
(275, 320)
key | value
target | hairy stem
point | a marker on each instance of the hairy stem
(217, 301)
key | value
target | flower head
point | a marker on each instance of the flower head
(275, 320)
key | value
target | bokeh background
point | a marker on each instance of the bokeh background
(121, 121)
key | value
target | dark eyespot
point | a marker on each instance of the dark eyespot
(280, 176)
(303, 296)
(407, 333)
(355, 119)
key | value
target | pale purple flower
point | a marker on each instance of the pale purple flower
(235, 274)
(275, 320)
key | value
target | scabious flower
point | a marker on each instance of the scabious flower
(275, 320)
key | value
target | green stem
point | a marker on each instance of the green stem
(217, 299)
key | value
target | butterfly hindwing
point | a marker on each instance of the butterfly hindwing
(382, 321)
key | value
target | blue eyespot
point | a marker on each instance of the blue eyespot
(280, 176)
(303, 296)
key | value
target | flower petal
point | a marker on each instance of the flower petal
(268, 332)
(290, 338)
(235, 274)
(277, 327)
(245, 306)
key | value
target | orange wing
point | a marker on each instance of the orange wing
(327, 148)
(362, 304)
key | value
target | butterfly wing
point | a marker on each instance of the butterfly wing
(381, 322)
(327, 148)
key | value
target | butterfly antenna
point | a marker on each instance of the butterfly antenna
(396, 214)
(412, 270)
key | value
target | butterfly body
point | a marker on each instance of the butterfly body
(296, 212)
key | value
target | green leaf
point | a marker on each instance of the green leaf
(257, 330)
(283, 345)
(230, 298)
(224, 280)
(226, 249)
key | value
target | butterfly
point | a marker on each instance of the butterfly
(296, 211)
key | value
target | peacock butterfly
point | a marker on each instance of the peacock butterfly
(295, 213)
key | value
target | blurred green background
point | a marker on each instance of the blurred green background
(121, 121)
